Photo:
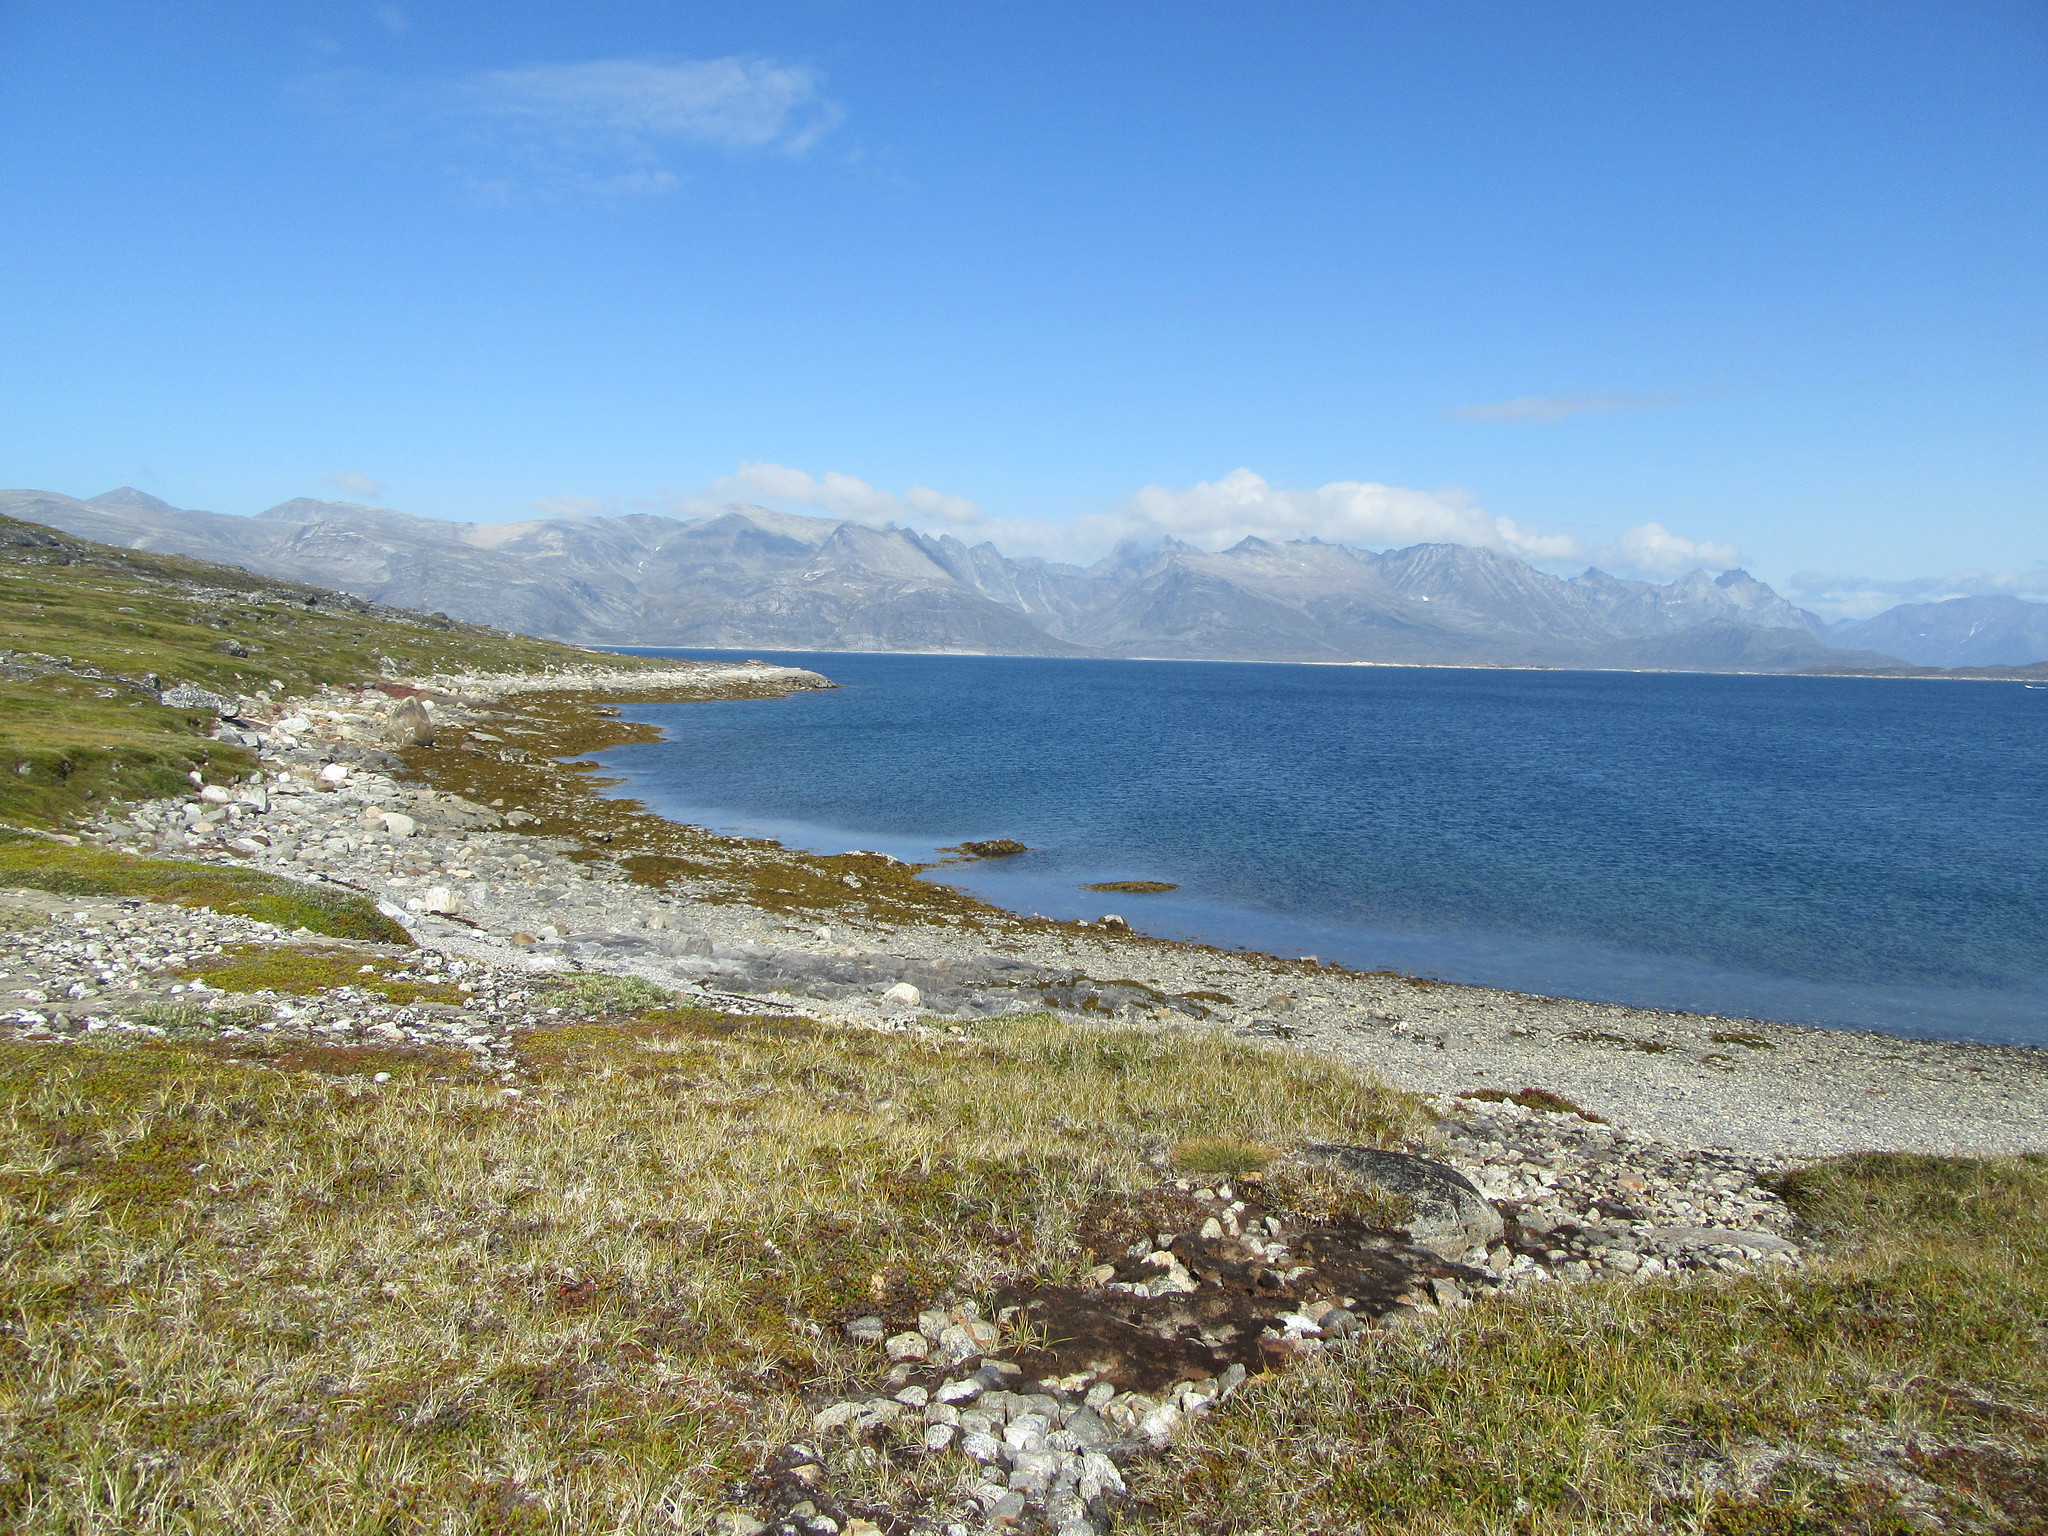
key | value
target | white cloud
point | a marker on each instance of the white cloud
(1858, 597)
(354, 484)
(1211, 515)
(392, 19)
(1220, 512)
(844, 496)
(1548, 408)
(1651, 549)
(636, 107)
(602, 128)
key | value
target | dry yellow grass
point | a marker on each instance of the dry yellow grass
(247, 1299)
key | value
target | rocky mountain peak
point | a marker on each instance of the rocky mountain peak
(753, 576)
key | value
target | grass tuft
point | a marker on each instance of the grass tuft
(1224, 1156)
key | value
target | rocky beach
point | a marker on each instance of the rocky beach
(1572, 1141)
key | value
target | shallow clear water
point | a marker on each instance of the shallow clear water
(1837, 851)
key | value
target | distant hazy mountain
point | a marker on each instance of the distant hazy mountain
(752, 577)
(1962, 632)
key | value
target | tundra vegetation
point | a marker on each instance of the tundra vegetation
(361, 1288)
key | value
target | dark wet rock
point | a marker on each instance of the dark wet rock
(989, 848)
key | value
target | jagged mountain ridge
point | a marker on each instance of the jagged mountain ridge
(754, 577)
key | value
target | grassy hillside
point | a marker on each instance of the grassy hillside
(90, 635)
(242, 1295)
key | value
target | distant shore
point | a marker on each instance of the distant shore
(2034, 672)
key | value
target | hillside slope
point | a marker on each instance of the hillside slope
(96, 642)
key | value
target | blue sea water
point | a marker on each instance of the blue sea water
(1838, 851)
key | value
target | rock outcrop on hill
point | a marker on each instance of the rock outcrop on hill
(754, 577)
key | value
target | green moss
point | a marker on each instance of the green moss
(1132, 887)
(46, 866)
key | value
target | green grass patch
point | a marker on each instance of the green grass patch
(1132, 887)
(598, 996)
(66, 871)
(306, 970)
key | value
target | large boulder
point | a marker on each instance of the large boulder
(192, 696)
(444, 812)
(1450, 1215)
(410, 725)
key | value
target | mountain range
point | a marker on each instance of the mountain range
(749, 576)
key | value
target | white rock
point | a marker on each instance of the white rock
(903, 992)
(981, 1447)
(906, 1346)
(963, 1340)
(832, 1417)
(1158, 1425)
(398, 824)
(938, 1436)
(214, 794)
(1099, 1476)
(333, 773)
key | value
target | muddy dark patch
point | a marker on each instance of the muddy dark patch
(1144, 1343)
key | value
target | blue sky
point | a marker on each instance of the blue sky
(1648, 285)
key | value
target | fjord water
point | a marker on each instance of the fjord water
(1839, 851)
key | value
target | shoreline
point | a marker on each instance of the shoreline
(614, 887)
(2003, 674)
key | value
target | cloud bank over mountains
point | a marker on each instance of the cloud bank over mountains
(1858, 597)
(1211, 515)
